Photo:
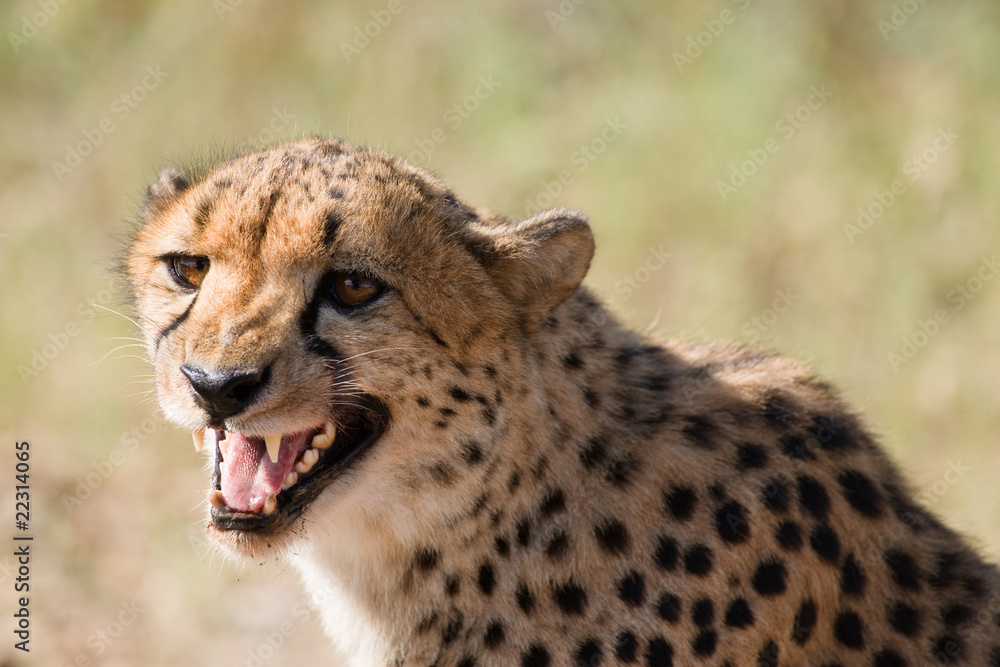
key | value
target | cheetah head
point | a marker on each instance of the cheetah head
(335, 328)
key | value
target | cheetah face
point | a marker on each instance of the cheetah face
(289, 299)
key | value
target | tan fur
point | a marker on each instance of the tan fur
(535, 445)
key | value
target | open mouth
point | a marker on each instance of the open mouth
(262, 484)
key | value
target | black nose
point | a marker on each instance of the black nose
(225, 393)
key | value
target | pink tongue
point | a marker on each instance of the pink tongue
(249, 475)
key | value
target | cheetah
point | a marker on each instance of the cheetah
(417, 406)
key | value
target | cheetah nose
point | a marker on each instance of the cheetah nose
(223, 394)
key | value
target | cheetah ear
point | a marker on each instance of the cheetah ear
(166, 188)
(539, 262)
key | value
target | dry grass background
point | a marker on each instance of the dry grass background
(239, 70)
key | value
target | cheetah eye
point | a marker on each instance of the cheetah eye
(351, 289)
(188, 272)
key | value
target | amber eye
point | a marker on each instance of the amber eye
(188, 271)
(350, 289)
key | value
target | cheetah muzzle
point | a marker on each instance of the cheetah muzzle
(419, 407)
(262, 487)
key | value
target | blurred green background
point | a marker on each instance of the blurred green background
(722, 149)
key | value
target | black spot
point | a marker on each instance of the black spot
(904, 569)
(427, 622)
(775, 495)
(535, 656)
(852, 577)
(452, 585)
(861, 493)
(704, 644)
(494, 635)
(769, 579)
(591, 398)
(472, 453)
(487, 579)
(594, 453)
(825, 543)
(626, 355)
(668, 607)
(570, 597)
(680, 502)
(698, 560)
(703, 612)
(632, 588)
(813, 497)
(947, 649)
(336, 193)
(489, 416)
(805, 621)
(947, 571)
(789, 536)
(514, 482)
(718, 491)
(203, 212)
(459, 394)
(904, 619)
(525, 599)
(555, 501)
(589, 654)
(848, 631)
(523, 532)
(795, 447)
(423, 401)
(620, 469)
(480, 504)
(974, 586)
(738, 615)
(659, 653)
(557, 546)
(889, 658)
(491, 372)
(502, 546)
(834, 434)
(467, 661)
(667, 552)
(778, 411)
(731, 522)
(331, 224)
(626, 647)
(701, 431)
(750, 457)
(956, 615)
(571, 360)
(426, 559)
(450, 632)
(612, 536)
(442, 473)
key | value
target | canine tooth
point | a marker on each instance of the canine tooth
(325, 438)
(290, 481)
(216, 499)
(273, 443)
(224, 447)
(199, 440)
(271, 504)
(309, 459)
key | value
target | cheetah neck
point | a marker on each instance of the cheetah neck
(399, 587)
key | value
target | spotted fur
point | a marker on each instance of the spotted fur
(552, 489)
